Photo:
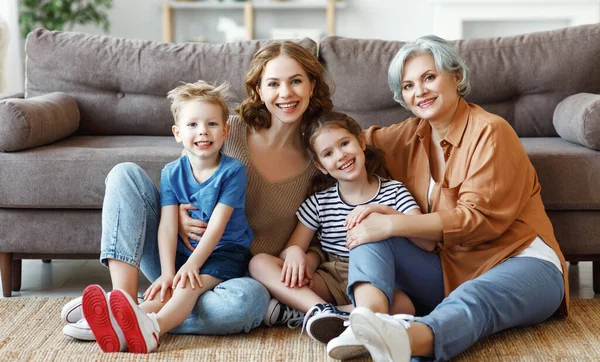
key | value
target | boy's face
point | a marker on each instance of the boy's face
(201, 129)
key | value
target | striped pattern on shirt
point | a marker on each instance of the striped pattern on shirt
(325, 212)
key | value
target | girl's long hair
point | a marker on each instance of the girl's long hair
(374, 157)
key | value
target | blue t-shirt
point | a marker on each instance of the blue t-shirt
(227, 185)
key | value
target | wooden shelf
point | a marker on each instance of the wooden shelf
(249, 7)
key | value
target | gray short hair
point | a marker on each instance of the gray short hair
(445, 56)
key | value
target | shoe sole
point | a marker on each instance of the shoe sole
(127, 320)
(347, 352)
(326, 328)
(95, 308)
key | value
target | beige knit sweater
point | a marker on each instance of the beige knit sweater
(270, 206)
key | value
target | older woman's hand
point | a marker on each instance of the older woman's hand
(374, 227)
(189, 228)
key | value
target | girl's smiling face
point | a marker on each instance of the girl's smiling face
(340, 154)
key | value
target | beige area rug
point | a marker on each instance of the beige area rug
(31, 330)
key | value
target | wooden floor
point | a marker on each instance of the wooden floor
(68, 278)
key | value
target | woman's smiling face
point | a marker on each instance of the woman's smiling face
(285, 88)
(429, 94)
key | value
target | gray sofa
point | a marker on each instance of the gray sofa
(110, 107)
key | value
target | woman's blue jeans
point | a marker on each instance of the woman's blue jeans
(130, 218)
(518, 292)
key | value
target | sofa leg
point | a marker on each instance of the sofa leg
(596, 276)
(6, 269)
(16, 275)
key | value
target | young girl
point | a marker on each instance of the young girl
(349, 188)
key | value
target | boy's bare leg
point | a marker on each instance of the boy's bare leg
(124, 276)
(181, 304)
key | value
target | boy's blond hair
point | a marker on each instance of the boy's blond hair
(199, 91)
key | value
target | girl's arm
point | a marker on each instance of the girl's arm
(167, 245)
(296, 268)
(214, 231)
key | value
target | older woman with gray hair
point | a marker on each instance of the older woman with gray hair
(493, 261)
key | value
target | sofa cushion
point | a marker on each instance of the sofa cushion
(568, 173)
(71, 173)
(36, 121)
(121, 85)
(577, 119)
(504, 78)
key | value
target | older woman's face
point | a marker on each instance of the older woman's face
(429, 94)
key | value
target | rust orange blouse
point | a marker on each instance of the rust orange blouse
(488, 199)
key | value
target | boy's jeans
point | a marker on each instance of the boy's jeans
(130, 218)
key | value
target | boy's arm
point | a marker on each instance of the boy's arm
(167, 238)
(167, 245)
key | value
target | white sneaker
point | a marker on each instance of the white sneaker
(384, 336)
(346, 346)
(141, 330)
(80, 330)
(279, 313)
(72, 312)
(100, 320)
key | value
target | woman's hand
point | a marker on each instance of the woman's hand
(362, 211)
(295, 271)
(162, 284)
(374, 227)
(188, 271)
(189, 228)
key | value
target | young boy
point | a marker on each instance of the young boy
(216, 185)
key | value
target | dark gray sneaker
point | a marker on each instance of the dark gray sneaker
(324, 322)
(279, 314)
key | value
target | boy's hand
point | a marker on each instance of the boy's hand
(189, 228)
(188, 271)
(362, 211)
(295, 270)
(162, 285)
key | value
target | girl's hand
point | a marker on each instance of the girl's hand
(374, 227)
(295, 270)
(162, 285)
(188, 271)
(189, 228)
(362, 211)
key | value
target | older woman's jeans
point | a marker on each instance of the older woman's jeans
(518, 292)
(130, 217)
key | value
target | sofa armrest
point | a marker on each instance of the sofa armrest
(577, 119)
(36, 121)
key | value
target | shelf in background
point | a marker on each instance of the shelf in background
(291, 4)
(248, 8)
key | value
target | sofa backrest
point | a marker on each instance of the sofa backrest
(120, 85)
(521, 78)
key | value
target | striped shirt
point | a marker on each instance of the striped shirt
(325, 212)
